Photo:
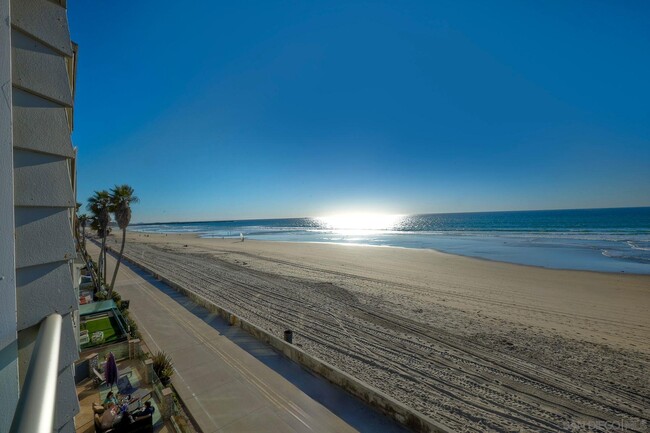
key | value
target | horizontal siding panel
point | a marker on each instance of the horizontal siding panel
(50, 285)
(41, 180)
(67, 405)
(68, 428)
(40, 125)
(39, 70)
(9, 390)
(69, 350)
(43, 235)
(26, 342)
(43, 20)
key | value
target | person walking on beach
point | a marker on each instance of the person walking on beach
(241, 236)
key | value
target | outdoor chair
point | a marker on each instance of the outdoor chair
(141, 425)
(125, 370)
(124, 385)
(97, 337)
(99, 379)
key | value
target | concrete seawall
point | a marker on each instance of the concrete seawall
(411, 418)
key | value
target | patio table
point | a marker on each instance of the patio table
(137, 395)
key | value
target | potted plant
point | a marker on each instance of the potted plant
(163, 367)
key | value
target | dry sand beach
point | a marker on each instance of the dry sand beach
(474, 344)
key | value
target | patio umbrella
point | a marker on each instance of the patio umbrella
(110, 371)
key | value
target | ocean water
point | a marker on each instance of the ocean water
(605, 240)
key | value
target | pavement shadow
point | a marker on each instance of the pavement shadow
(347, 407)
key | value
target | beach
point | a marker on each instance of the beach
(475, 344)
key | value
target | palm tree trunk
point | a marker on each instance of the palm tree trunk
(83, 238)
(93, 273)
(102, 260)
(105, 262)
(119, 260)
(77, 232)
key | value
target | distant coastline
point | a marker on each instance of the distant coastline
(602, 240)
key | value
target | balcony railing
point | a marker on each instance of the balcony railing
(35, 410)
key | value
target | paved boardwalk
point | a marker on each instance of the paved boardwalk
(229, 381)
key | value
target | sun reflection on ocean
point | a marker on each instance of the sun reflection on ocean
(361, 222)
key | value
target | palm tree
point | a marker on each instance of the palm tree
(99, 204)
(83, 221)
(102, 232)
(77, 227)
(121, 199)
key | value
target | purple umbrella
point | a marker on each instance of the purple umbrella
(110, 371)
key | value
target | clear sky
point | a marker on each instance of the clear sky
(244, 109)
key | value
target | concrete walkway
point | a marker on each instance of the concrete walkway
(229, 381)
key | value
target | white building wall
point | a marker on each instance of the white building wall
(8, 317)
(37, 192)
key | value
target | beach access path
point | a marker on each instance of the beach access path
(219, 372)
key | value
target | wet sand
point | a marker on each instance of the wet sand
(474, 344)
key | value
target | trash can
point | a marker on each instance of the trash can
(288, 336)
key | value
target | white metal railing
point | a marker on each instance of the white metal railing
(35, 410)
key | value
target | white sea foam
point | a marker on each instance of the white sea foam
(635, 246)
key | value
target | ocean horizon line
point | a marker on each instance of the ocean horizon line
(228, 220)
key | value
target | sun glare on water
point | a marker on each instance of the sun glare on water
(361, 221)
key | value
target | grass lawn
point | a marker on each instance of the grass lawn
(106, 324)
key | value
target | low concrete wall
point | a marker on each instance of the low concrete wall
(120, 351)
(81, 370)
(411, 418)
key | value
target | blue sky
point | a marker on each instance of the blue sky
(220, 110)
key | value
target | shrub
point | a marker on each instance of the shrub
(163, 366)
(116, 296)
(133, 327)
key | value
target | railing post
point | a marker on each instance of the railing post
(93, 362)
(167, 404)
(138, 349)
(134, 348)
(35, 411)
(148, 371)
